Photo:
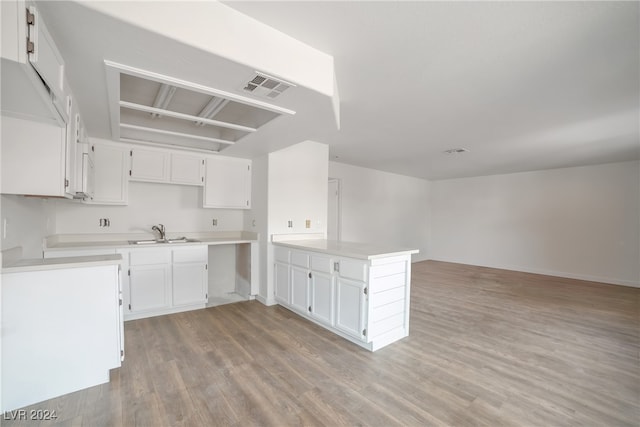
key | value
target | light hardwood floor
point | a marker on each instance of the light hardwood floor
(486, 348)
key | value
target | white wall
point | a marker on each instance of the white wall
(381, 207)
(581, 222)
(178, 207)
(297, 181)
(28, 221)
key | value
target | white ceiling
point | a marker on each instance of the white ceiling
(521, 85)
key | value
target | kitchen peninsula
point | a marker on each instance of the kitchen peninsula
(358, 291)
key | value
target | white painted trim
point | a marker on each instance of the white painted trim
(171, 133)
(183, 116)
(339, 208)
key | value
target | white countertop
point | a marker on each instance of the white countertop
(120, 241)
(346, 249)
(40, 264)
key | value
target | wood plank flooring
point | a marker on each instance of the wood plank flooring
(486, 348)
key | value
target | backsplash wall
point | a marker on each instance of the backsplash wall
(178, 207)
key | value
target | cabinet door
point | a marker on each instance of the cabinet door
(149, 287)
(71, 149)
(189, 283)
(187, 169)
(322, 297)
(227, 183)
(300, 289)
(149, 165)
(46, 58)
(350, 307)
(282, 283)
(110, 175)
(33, 158)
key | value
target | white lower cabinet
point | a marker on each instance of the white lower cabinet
(300, 289)
(189, 275)
(350, 307)
(363, 300)
(165, 280)
(282, 283)
(322, 296)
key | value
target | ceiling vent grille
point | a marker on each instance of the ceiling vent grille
(456, 151)
(266, 86)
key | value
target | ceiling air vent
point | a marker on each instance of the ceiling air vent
(266, 86)
(456, 151)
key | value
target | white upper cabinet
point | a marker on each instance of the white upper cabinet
(32, 67)
(157, 165)
(227, 183)
(111, 169)
(44, 56)
(187, 169)
(33, 158)
(149, 165)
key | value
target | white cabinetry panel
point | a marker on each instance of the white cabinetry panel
(187, 169)
(282, 283)
(111, 168)
(227, 183)
(350, 307)
(149, 165)
(33, 158)
(322, 290)
(300, 289)
(149, 287)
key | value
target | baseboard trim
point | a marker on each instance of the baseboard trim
(585, 277)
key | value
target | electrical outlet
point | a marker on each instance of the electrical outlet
(253, 223)
(307, 223)
(214, 222)
(290, 224)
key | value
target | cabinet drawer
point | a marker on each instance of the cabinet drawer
(322, 263)
(281, 254)
(191, 254)
(150, 256)
(300, 259)
(352, 269)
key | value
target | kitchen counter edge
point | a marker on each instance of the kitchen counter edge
(46, 264)
(356, 250)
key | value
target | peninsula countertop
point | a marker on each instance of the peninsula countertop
(356, 250)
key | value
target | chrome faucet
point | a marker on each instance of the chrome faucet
(160, 229)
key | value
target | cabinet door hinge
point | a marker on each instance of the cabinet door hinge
(364, 332)
(309, 309)
(120, 303)
(31, 20)
(66, 183)
(130, 153)
(129, 272)
(121, 353)
(129, 306)
(309, 275)
(129, 172)
(366, 291)
(206, 296)
(206, 266)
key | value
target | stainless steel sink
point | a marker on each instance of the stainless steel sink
(142, 242)
(152, 241)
